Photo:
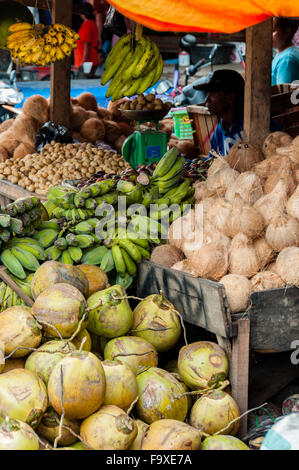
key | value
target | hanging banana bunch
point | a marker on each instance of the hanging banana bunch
(40, 44)
(132, 66)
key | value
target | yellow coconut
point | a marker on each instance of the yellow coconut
(49, 428)
(23, 396)
(97, 278)
(169, 434)
(83, 339)
(16, 435)
(19, 329)
(142, 427)
(77, 385)
(110, 428)
(61, 306)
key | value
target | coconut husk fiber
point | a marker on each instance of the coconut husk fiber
(25, 129)
(93, 130)
(125, 128)
(103, 113)
(3, 154)
(88, 101)
(8, 141)
(6, 125)
(22, 150)
(167, 255)
(37, 107)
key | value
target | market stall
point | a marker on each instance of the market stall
(48, 240)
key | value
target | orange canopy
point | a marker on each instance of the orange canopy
(223, 16)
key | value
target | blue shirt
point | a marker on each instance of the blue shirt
(285, 66)
(222, 140)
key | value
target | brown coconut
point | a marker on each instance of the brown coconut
(78, 117)
(36, 106)
(8, 141)
(103, 113)
(243, 259)
(25, 129)
(113, 107)
(3, 154)
(186, 267)
(92, 114)
(93, 130)
(6, 125)
(112, 131)
(125, 128)
(274, 140)
(237, 289)
(242, 156)
(285, 173)
(22, 150)
(211, 260)
(88, 101)
(264, 252)
(119, 143)
(166, 255)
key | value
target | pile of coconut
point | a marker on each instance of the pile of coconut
(244, 228)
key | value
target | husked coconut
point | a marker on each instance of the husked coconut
(25, 129)
(5, 125)
(218, 213)
(275, 140)
(88, 101)
(78, 117)
(220, 181)
(243, 218)
(181, 228)
(265, 280)
(287, 265)
(285, 173)
(242, 257)
(272, 203)
(264, 252)
(237, 289)
(93, 130)
(283, 231)
(293, 204)
(248, 185)
(219, 163)
(166, 255)
(242, 156)
(211, 260)
(36, 106)
(186, 267)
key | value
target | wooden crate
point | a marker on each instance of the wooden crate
(285, 107)
(204, 125)
(270, 324)
(10, 192)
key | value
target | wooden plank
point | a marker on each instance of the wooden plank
(240, 370)
(201, 302)
(44, 5)
(12, 191)
(293, 131)
(289, 119)
(281, 102)
(258, 82)
(274, 319)
(61, 70)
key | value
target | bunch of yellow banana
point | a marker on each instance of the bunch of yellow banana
(39, 44)
(133, 66)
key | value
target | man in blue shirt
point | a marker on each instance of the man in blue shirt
(285, 65)
(225, 99)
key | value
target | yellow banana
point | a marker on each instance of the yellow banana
(19, 27)
(48, 58)
(15, 38)
(47, 48)
(36, 55)
(69, 40)
(59, 27)
(38, 46)
(59, 53)
(52, 31)
(66, 49)
(28, 44)
(53, 53)
(60, 38)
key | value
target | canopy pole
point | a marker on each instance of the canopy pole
(60, 108)
(257, 106)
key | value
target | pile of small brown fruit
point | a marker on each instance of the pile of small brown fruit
(146, 103)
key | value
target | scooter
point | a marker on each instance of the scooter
(10, 95)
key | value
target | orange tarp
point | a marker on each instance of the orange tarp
(223, 16)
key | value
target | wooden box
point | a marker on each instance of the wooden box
(204, 125)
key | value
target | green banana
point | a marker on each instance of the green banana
(66, 258)
(71, 239)
(119, 261)
(84, 241)
(131, 267)
(12, 264)
(79, 201)
(94, 255)
(174, 170)
(49, 224)
(4, 220)
(58, 212)
(159, 70)
(83, 227)
(90, 203)
(75, 253)
(61, 243)
(125, 186)
(35, 250)
(27, 259)
(145, 59)
(2, 294)
(140, 49)
(146, 82)
(5, 235)
(184, 185)
(49, 206)
(166, 162)
(53, 253)
(131, 249)
(46, 237)
(116, 82)
(107, 263)
(116, 57)
(8, 296)
(113, 54)
(145, 254)
(93, 222)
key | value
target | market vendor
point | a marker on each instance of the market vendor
(87, 45)
(285, 65)
(225, 99)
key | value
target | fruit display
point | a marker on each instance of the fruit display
(39, 44)
(56, 162)
(147, 102)
(11, 12)
(124, 396)
(133, 65)
(247, 221)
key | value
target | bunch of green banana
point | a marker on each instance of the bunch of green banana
(9, 298)
(133, 66)
(39, 44)
(21, 254)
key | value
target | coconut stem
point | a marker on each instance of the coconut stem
(183, 326)
(239, 417)
(73, 433)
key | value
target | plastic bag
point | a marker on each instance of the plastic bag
(283, 435)
(52, 131)
(115, 23)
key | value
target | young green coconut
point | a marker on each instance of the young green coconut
(136, 352)
(170, 434)
(156, 320)
(110, 314)
(17, 435)
(49, 428)
(214, 411)
(121, 384)
(23, 396)
(221, 442)
(44, 359)
(110, 428)
(161, 396)
(203, 365)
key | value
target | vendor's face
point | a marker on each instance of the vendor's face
(281, 37)
(218, 102)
